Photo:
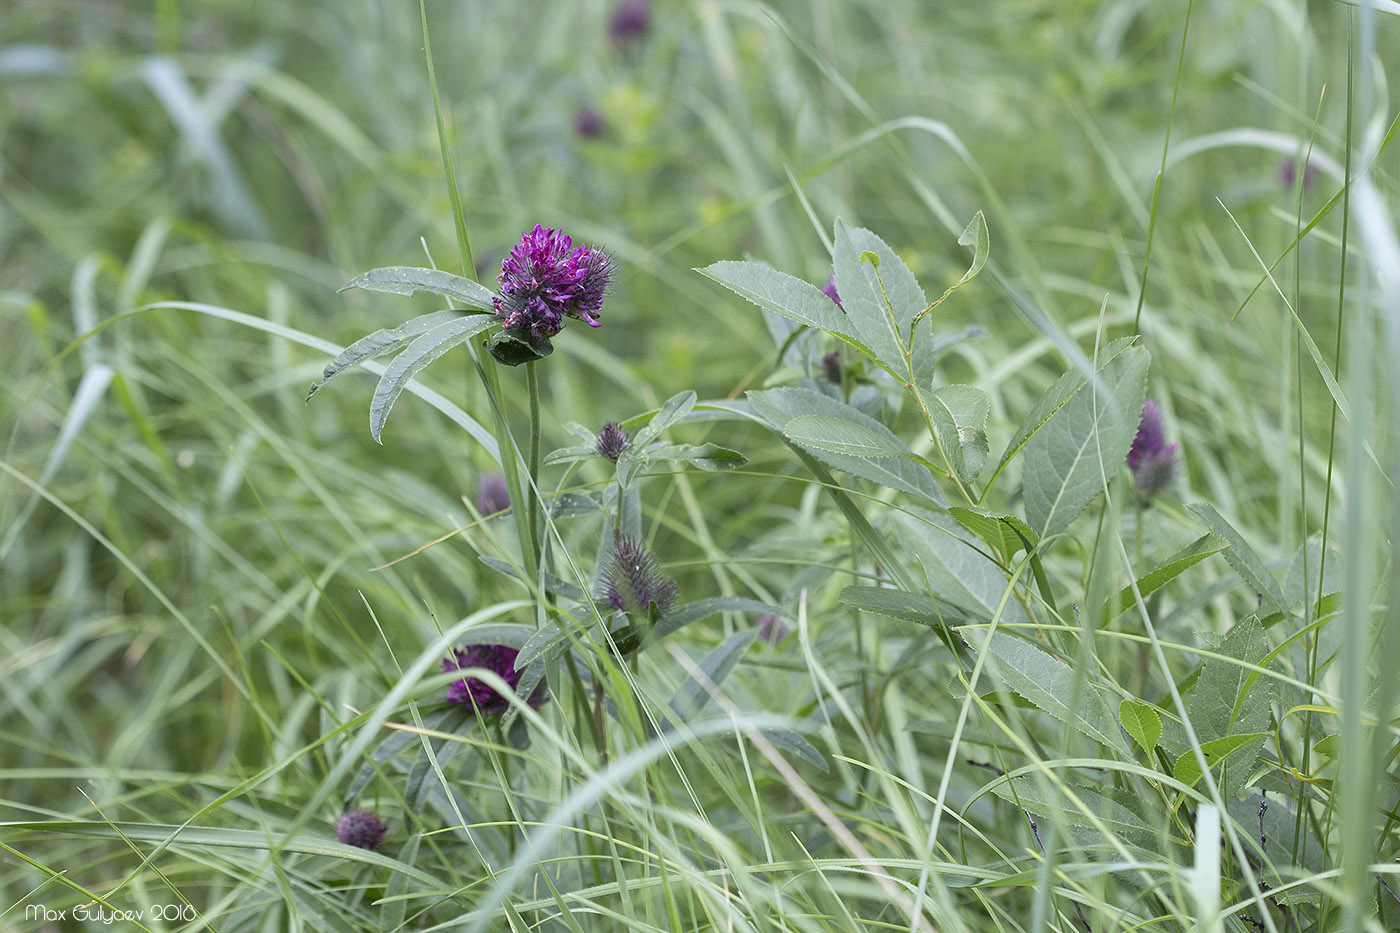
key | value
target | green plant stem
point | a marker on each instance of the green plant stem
(532, 380)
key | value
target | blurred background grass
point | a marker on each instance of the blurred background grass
(257, 155)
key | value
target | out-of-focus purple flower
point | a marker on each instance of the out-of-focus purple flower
(772, 629)
(589, 122)
(829, 290)
(1151, 459)
(630, 20)
(545, 279)
(831, 366)
(492, 496)
(1288, 173)
(360, 828)
(612, 441)
(498, 659)
(633, 584)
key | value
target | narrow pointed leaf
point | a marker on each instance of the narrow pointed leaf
(1071, 458)
(1188, 769)
(1242, 557)
(1049, 684)
(381, 342)
(778, 407)
(874, 323)
(405, 280)
(1055, 398)
(843, 436)
(425, 348)
(1149, 583)
(780, 293)
(900, 604)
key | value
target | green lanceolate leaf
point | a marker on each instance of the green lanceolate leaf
(1140, 720)
(382, 341)
(1049, 684)
(424, 348)
(1006, 534)
(1055, 398)
(1242, 557)
(674, 409)
(1149, 583)
(845, 436)
(780, 293)
(704, 456)
(1188, 769)
(405, 280)
(684, 615)
(880, 327)
(899, 604)
(1070, 459)
(950, 561)
(959, 415)
(778, 407)
(975, 235)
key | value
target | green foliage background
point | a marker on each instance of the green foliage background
(203, 583)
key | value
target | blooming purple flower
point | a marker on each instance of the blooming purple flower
(492, 496)
(633, 584)
(545, 279)
(1151, 459)
(360, 828)
(612, 441)
(589, 122)
(829, 290)
(831, 366)
(772, 629)
(498, 659)
(630, 20)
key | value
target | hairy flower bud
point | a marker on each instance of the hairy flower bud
(633, 584)
(360, 828)
(1151, 459)
(612, 441)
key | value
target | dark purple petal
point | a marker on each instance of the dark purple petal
(360, 828)
(829, 290)
(1151, 459)
(547, 278)
(630, 20)
(612, 441)
(492, 496)
(831, 366)
(498, 659)
(772, 629)
(589, 122)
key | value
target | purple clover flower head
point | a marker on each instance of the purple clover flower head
(589, 122)
(612, 441)
(771, 629)
(499, 659)
(545, 279)
(1151, 459)
(831, 366)
(829, 290)
(492, 496)
(361, 829)
(630, 20)
(633, 584)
